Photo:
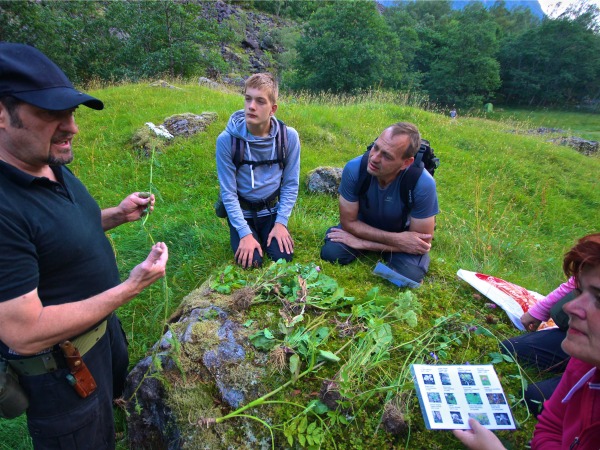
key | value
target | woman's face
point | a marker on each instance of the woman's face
(583, 336)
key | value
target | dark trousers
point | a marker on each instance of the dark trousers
(261, 227)
(411, 266)
(58, 419)
(541, 350)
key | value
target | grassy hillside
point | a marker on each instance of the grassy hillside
(582, 124)
(510, 205)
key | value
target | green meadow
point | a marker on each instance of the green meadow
(576, 123)
(510, 205)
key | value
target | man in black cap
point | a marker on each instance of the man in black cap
(59, 282)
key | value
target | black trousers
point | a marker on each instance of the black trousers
(261, 227)
(58, 419)
(541, 350)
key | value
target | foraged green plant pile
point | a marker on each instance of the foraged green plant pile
(323, 364)
(511, 205)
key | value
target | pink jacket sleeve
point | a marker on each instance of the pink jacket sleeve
(541, 310)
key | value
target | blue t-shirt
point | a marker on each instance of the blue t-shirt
(383, 208)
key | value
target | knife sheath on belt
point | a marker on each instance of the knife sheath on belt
(82, 380)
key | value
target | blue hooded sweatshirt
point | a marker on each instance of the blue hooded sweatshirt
(259, 183)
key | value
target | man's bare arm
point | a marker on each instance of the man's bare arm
(414, 241)
(28, 327)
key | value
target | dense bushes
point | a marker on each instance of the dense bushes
(456, 57)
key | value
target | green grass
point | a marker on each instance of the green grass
(511, 205)
(582, 124)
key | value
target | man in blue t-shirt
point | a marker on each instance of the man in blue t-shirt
(372, 222)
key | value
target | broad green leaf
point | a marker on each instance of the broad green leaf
(294, 320)
(302, 425)
(302, 440)
(320, 407)
(322, 333)
(260, 341)
(496, 358)
(328, 356)
(410, 317)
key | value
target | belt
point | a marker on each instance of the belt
(259, 205)
(49, 362)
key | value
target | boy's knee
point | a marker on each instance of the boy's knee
(287, 257)
(276, 254)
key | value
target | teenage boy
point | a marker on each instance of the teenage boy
(259, 186)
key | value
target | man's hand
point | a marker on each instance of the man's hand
(151, 269)
(478, 437)
(413, 242)
(529, 322)
(281, 234)
(136, 205)
(133, 207)
(343, 237)
(245, 251)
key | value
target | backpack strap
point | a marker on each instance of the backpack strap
(408, 181)
(237, 151)
(364, 177)
(281, 144)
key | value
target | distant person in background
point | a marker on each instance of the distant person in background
(453, 113)
(571, 417)
(375, 220)
(259, 193)
(59, 281)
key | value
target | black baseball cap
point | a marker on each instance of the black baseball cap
(30, 76)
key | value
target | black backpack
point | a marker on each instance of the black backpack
(281, 141)
(425, 159)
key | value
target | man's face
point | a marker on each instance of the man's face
(386, 159)
(39, 138)
(257, 107)
(583, 336)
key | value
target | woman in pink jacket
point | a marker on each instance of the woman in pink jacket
(571, 418)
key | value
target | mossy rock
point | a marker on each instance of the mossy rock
(202, 366)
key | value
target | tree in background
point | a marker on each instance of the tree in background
(117, 40)
(161, 37)
(74, 34)
(346, 47)
(554, 64)
(286, 8)
(464, 70)
(512, 22)
(417, 25)
(454, 51)
(424, 46)
(404, 25)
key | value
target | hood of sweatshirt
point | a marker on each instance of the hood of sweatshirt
(256, 148)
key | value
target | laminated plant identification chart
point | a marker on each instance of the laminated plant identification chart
(451, 394)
